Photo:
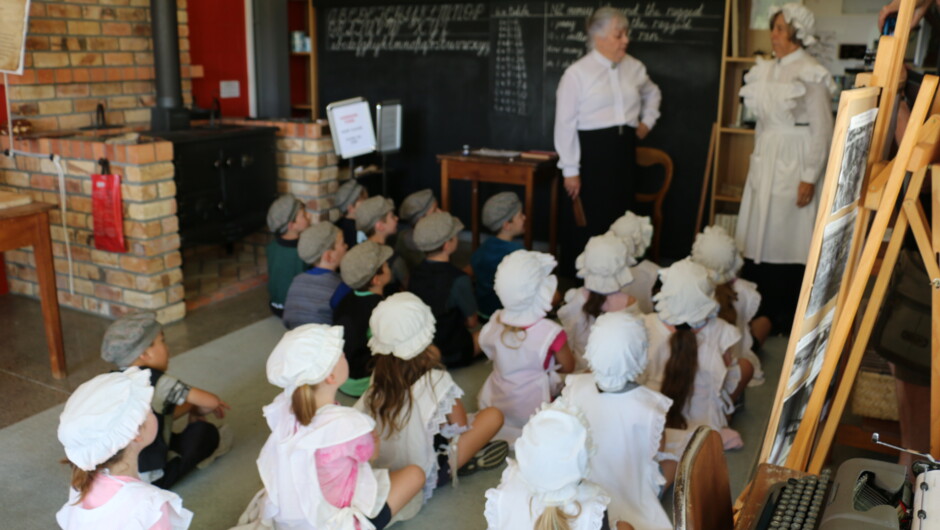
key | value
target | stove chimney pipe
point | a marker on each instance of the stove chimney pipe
(169, 113)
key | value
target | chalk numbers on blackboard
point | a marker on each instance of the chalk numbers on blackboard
(510, 82)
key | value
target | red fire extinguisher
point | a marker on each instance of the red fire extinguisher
(106, 209)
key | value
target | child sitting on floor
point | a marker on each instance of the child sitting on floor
(526, 348)
(626, 421)
(106, 423)
(416, 404)
(136, 340)
(636, 233)
(365, 270)
(315, 464)
(605, 267)
(348, 198)
(415, 207)
(690, 355)
(502, 214)
(446, 289)
(315, 293)
(287, 218)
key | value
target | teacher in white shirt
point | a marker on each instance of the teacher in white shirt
(604, 104)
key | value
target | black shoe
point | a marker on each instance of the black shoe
(492, 455)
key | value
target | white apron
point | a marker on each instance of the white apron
(578, 324)
(433, 397)
(292, 498)
(519, 383)
(645, 274)
(627, 429)
(511, 506)
(136, 506)
(746, 306)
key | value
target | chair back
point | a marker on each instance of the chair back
(647, 157)
(702, 498)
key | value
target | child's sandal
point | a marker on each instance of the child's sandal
(491, 455)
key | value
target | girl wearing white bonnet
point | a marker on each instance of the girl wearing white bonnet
(791, 98)
(689, 355)
(636, 233)
(626, 421)
(416, 404)
(546, 486)
(605, 268)
(315, 464)
(527, 349)
(106, 423)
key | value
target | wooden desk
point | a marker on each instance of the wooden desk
(756, 493)
(517, 171)
(22, 226)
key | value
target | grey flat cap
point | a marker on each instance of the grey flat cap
(362, 262)
(500, 208)
(416, 205)
(128, 337)
(316, 240)
(436, 229)
(347, 194)
(282, 211)
(371, 211)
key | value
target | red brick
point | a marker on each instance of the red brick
(80, 75)
(98, 74)
(114, 74)
(28, 78)
(37, 10)
(37, 43)
(42, 26)
(63, 75)
(141, 30)
(63, 11)
(140, 154)
(108, 44)
(128, 73)
(45, 76)
(116, 28)
(163, 151)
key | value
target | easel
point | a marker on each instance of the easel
(882, 186)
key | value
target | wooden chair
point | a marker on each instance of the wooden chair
(702, 498)
(647, 157)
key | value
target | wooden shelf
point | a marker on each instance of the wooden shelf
(742, 60)
(727, 198)
(735, 130)
(302, 106)
(300, 54)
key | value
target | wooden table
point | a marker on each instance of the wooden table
(517, 171)
(756, 492)
(22, 226)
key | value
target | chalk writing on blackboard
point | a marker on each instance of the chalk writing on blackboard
(510, 80)
(419, 29)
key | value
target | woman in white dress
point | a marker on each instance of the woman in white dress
(791, 97)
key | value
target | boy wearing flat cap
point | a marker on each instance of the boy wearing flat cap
(287, 218)
(446, 289)
(315, 293)
(137, 340)
(348, 198)
(502, 213)
(376, 217)
(365, 269)
(414, 208)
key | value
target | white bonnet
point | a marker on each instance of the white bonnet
(604, 265)
(553, 453)
(305, 355)
(402, 325)
(103, 415)
(525, 286)
(616, 349)
(800, 18)
(635, 231)
(715, 250)
(687, 295)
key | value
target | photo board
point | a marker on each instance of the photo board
(831, 254)
(15, 17)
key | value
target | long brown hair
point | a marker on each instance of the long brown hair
(389, 398)
(82, 480)
(595, 301)
(303, 403)
(726, 297)
(679, 376)
(554, 518)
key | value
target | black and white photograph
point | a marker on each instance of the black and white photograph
(791, 415)
(810, 354)
(854, 157)
(837, 240)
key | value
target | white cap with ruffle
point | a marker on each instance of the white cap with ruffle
(800, 18)
(525, 286)
(715, 250)
(635, 231)
(686, 296)
(616, 349)
(305, 355)
(604, 265)
(553, 453)
(103, 415)
(402, 325)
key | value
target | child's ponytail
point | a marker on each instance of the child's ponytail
(515, 332)
(304, 404)
(554, 518)
(679, 377)
(726, 297)
(592, 306)
(82, 480)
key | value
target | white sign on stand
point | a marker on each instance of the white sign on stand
(351, 127)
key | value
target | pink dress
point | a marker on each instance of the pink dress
(338, 468)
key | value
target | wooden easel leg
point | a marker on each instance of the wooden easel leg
(935, 319)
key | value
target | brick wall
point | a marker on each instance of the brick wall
(80, 53)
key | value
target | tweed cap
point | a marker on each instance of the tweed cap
(362, 262)
(282, 211)
(128, 337)
(371, 211)
(347, 194)
(416, 205)
(436, 229)
(316, 240)
(500, 208)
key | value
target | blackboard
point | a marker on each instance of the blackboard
(485, 74)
